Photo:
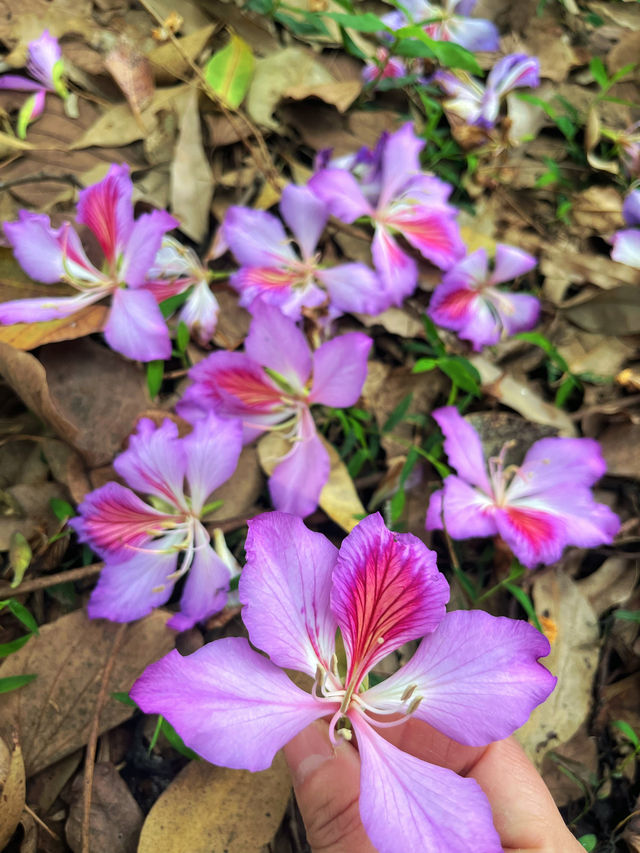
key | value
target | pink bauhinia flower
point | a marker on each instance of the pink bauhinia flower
(271, 386)
(45, 65)
(479, 103)
(538, 508)
(272, 271)
(474, 677)
(469, 302)
(385, 67)
(399, 198)
(177, 269)
(135, 326)
(140, 540)
(449, 22)
(626, 243)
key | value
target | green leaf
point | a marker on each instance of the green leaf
(365, 23)
(24, 117)
(176, 741)
(155, 375)
(13, 682)
(447, 53)
(7, 649)
(423, 365)
(397, 414)
(229, 71)
(412, 49)
(397, 505)
(124, 698)
(22, 615)
(589, 842)
(171, 305)
(599, 72)
(182, 336)
(308, 25)
(19, 557)
(628, 732)
(525, 602)
(629, 615)
(461, 372)
(61, 509)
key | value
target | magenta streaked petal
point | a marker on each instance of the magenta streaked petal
(200, 313)
(18, 83)
(44, 52)
(454, 306)
(37, 246)
(305, 214)
(130, 589)
(630, 208)
(212, 450)
(474, 34)
(298, 479)
(400, 162)
(407, 804)
(463, 447)
(398, 272)
(206, 586)
(107, 209)
(513, 71)
(340, 369)
(274, 285)
(387, 590)
(468, 512)
(355, 288)
(430, 230)
(626, 247)
(510, 263)
(518, 312)
(535, 535)
(113, 520)
(478, 676)
(136, 327)
(256, 238)
(285, 587)
(38, 101)
(228, 703)
(39, 310)
(339, 190)
(264, 344)
(484, 327)
(155, 462)
(142, 245)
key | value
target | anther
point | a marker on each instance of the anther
(407, 693)
(413, 707)
(347, 734)
(334, 665)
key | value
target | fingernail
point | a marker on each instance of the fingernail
(309, 750)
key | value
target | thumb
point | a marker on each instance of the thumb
(326, 781)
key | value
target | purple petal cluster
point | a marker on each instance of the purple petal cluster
(271, 386)
(141, 540)
(538, 508)
(448, 22)
(626, 243)
(474, 677)
(468, 301)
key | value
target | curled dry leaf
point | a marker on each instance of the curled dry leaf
(573, 660)
(209, 808)
(28, 336)
(53, 713)
(12, 790)
(132, 72)
(614, 312)
(610, 585)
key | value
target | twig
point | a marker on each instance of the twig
(39, 821)
(51, 580)
(89, 761)
(38, 177)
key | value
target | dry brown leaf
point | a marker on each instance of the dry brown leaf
(547, 40)
(233, 321)
(580, 756)
(12, 790)
(397, 321)
(132, 72)
(612, 312)
(53, 714)
(610, 585)
(171, 62)
(573, 660)
(598, 210)
(585, 352)
(620, 443)
(28, 336)
(209, 808)
(25, 21)
(27, 510)
(191, 175)
(624, 14)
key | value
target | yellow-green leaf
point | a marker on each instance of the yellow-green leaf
(19, 557)
(229, 71)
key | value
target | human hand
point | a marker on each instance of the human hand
(326, 781)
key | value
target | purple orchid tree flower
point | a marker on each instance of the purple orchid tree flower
(177, 269)
(626, 243)
(538, 508)
(449, 22)
(271, 386)
(44, 64)
(140, 540)
(468, 301)
(135, 326)
(385, 67)
(474, 677)
(479, 103)
(391, 190)
(272, 271)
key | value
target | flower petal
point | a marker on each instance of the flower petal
(39, 310)
(298, 479)
(264, 344)
(212, 451)
(409, 805)
(256, 238)
(534, 535)
(200, 313)
(107, 209)
(44, 52)
(155, 462)
(305, 214)
(136, 327)
(431, 230)
(463, 447)
(478, 676)
(340, 370)
(206, 586)
(513, 71)
(143, 244)
(510, 263)
(626, 247)
(398, 272)
(130, 589)
(355, 288)
(339, 190)
(474, 34)
(467, 511)
(400, 161)
(18, 83)
(454, 305)
(285, 587)
(46, 253)
(387, 590)
(552, 463)
(630, 208)
(227, 702)
(518, 312)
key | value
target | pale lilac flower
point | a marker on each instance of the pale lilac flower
(271, 385)
(628, 142)
(626, 243)
(272, 271)
(449, 22)
(45, 65)
(140, 540)
(135, 326)
(388, 186)
(468, 301)
(175, 270)
(385, 67)
(474, 677)
(479, 103)
(538, 508)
